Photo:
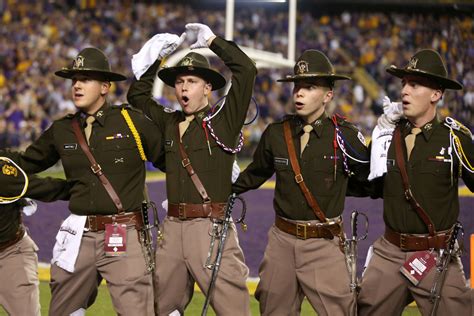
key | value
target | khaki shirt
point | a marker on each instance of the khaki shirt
(114, 149)
(429, 172)
(12, 183)
(317, 168)
(214, 170)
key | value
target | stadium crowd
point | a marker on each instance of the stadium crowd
(37, 38)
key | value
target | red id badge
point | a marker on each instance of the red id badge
(418, 266)
(115, 240)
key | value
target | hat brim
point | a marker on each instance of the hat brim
(109, 76)
(444, 82)
(168, 75)
(332, 77)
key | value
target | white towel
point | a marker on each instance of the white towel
(381, 139)
(68, 242)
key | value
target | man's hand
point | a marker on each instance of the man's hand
(392, 112)
(170, 43)
(204, 34)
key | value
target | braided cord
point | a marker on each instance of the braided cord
(221, 144)
(134, 131)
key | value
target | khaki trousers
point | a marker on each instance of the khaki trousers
(293, 268)
(385, 291)
(19, 292)
(180, 260)
(129, 284)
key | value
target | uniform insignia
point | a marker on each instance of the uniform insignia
(361, 138)
(441, 152)
(9, 170)
(281, 161)
(71, 146)
(201, 115)
(78, 62)
(187, 61)
(412, 63)
(168, 110)
(117, 136)
(302, 67)
(317, 123)
(100, 113)
(428, 126)
(118, 160)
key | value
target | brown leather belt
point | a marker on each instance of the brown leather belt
(307, 230)
(97, 222)
(409, 242)
(18, 236)
(185, 211)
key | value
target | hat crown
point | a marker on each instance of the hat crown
(428, 61)
(91, 59)
(193, 59)
(313, 62)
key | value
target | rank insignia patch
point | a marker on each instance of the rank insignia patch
(9, 170)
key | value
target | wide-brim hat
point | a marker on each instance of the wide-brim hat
(427, 63)
(193, 64)
(313, 64)
(90, 61)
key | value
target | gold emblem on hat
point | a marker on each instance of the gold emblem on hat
(78, 62)
(412, 63)
(302, 67)
(187, 61)
(9, 170)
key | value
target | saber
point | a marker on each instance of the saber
(442, 269)
(222, 239)
(351, 249)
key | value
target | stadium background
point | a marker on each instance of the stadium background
(361, 37)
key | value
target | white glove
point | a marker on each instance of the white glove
(383, 122)
(30, 207)
(235, 171)
(204, 33)
(164, 205)
(394, 110)
(158, 47)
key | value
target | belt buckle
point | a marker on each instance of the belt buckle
(181, 211)
(91, 227)
(301, 232)
(185, 162)
(403, 244)
(299, 178)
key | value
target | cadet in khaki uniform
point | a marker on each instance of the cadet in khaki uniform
(19, 292)
(183, 252)
(119, 149)
(303, 257)
(433, 167)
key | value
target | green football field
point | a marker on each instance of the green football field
(103, 304)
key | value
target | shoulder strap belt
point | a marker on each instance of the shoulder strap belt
(96, 169)
(186, 163)
(406, 184)
(299, 177)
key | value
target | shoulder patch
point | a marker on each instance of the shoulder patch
(361, 138)
(458, 126)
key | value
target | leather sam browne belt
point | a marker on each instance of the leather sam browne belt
(307, 230)
(185, 211)
(97, 222)
(409, 242)
(18, 236)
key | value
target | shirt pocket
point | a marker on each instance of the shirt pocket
(435, 178)
(119, 156)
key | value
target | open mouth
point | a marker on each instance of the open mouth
(299, 105)
(185, 100)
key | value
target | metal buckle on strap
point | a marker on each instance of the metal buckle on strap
(185, 162)
(89, 223)
(299, 178)
(403, 243)
(181, 211)
(96, 168)
(408, 194)
(301, 232)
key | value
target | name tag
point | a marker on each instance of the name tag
(70, 146)
(169, 142)
(115, 240)
(280, 161)
(391, 162)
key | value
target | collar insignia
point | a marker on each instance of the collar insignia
(100, 114)
(428, 126)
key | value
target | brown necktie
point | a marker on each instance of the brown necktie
(183, 126)
(88, 129)
(305, 137)
(410, 140)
